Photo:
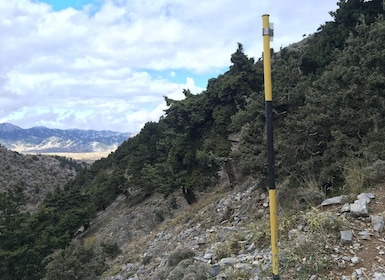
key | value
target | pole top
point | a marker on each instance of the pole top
(267, 27)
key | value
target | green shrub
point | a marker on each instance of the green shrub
(111, 249)
(76, 262)
(179, 255)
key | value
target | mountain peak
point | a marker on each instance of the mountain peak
(8, 127)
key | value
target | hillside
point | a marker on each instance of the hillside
(186, 197)
(37, 175)
(40, 139)
(226, 236)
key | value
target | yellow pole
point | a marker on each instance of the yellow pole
(267, 33)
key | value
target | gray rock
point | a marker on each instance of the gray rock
(341, 264)
(355, 260)
(378, 276)
(250, 247)
(214, 270)
(80, 230)
(359, 208)
(359, 272)
(228, 261)
(367, 196)
(345, 208)
(243, 266)
(346, 237)
(356, 245)
(378, 223)
(365, 235)
(208, 256)
(332, 200)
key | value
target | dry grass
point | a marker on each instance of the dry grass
(305, 195)
(307, 251)
(354, 178)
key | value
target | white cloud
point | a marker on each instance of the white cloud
(91, 68)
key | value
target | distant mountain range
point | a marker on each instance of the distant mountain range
(40, 139)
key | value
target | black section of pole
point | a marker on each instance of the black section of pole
(270, 145)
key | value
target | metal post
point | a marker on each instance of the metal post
(267, 32)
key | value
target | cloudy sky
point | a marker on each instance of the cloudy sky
(106, 64)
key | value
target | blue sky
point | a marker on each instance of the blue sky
(58, 5)
(107, 64)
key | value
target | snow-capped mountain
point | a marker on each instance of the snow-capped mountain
(41, 139)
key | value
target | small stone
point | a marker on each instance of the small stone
(359, 208)
(367, 196)
(365, 235)
(355, 260)
(356, 245)
(336, 249)
(313, 277)
(332, 200)
(342, 264)
(251, 247)
(242, 266)
(346, 236)
(335, 257)
(208, 256)
(228, 261)
(378, 276)
(266, 204)
(377, 223)
(300, 227)
(214, 270)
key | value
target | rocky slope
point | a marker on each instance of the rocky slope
(225, 235)
(45, 140)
